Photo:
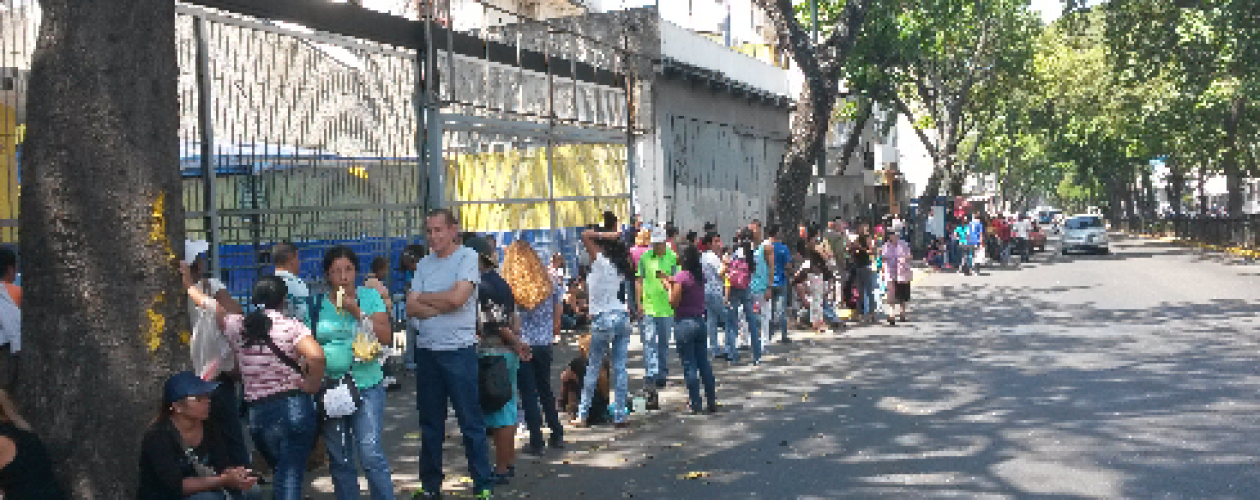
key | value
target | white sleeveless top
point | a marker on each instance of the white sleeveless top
(602, 285)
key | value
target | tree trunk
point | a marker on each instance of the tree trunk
(821, 64)
(1148, 193)
(927, 200)
(866, 108)
(1231, 163)
(1203, 198)
(809, 131)
(1176, 186)
(102, 219)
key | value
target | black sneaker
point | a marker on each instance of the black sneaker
(556, 442)
(653, 400)
(785, 340)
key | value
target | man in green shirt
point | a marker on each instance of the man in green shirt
(657, 313)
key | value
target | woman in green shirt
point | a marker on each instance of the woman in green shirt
(335, 330)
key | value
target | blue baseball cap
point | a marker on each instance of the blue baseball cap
(185, 384)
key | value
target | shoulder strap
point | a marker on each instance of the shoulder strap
(314, 305)
(271, 344)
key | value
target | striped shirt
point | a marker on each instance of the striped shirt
(262, 372)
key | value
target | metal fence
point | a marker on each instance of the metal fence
(292, 134)
(1234, 232)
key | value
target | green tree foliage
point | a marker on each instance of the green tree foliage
(1207, 53)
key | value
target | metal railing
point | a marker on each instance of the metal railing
(1241, 232)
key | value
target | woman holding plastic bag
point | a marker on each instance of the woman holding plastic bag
(351, 324)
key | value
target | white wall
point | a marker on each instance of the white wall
(914, 162)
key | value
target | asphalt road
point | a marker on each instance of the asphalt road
(1132, 375)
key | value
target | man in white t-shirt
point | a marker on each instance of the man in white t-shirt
(442, 307)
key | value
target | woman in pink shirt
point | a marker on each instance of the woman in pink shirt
(281, 365)
(897, 275)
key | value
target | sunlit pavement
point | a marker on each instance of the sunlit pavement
(1132, 375)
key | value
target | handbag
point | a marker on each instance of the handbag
(493, 383)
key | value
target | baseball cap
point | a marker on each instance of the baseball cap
(658, 235)
(185, 384)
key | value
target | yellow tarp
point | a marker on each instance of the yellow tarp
(9, 139)
(582, 170)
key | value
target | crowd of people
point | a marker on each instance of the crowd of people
(969, 243)
(304, 362)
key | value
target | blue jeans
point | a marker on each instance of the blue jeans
(442, 378)
(742, 297)
(968, 263)
(361, 432)
(656, 349)
(610, 329)
(284, 430)
(715, 314)
(533, 381)
(693, 351)
(225, 412)
(866, 289)
(779, 305)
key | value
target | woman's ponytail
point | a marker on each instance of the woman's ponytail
(269, 293)
(257, 327)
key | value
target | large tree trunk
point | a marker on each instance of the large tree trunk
(821, 63)
(102, 219)
(796, 168)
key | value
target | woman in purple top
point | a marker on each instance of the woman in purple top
(686, 294)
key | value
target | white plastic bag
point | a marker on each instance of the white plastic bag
(211, 352)
(365, 346)
(339, 401)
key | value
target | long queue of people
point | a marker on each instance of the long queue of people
(309, 366)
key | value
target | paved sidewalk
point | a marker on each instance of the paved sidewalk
(768, 384)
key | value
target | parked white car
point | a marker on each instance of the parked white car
(1085, 232)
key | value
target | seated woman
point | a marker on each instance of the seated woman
(182, 456)
(25, 468)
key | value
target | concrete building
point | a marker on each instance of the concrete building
(857, 186)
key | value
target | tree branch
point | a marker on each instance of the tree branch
(904, 109)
